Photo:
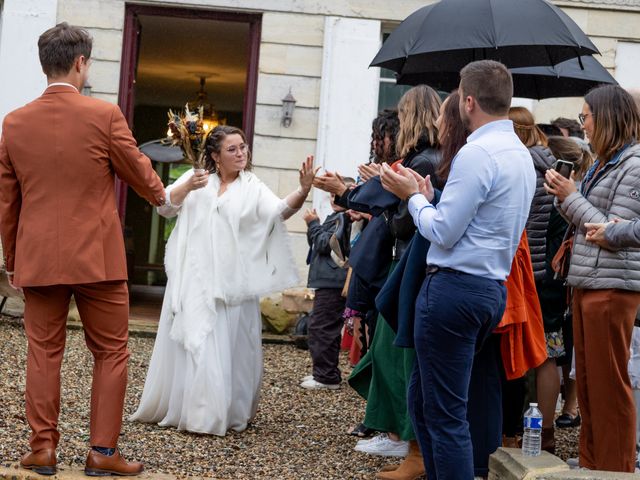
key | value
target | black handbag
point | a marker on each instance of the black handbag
(340, 241)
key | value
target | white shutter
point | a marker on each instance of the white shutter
(348, 97)
(23, 21)
(628, 65)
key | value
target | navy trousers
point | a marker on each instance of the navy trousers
(455, 315)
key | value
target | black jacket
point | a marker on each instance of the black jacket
(425, 161)
(539, 214)
(323, 271)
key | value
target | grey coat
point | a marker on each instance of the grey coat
(615, 194)
(540, 212)
(623, 234)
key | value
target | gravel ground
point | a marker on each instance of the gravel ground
(297, 434)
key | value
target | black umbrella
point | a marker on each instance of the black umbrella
(158, 152)
(447, 35)
(567, 79)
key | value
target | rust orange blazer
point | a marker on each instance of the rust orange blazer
(58, 158)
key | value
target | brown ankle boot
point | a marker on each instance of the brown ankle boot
(549, 440)
(390, 468)
(411, 468)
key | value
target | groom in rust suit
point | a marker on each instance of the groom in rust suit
(62, 236)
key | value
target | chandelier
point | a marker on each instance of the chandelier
(210, 118)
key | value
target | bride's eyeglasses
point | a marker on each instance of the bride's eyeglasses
(233, 149)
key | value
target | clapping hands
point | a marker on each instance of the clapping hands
(368, 171)
(406, 182)
(331, 183)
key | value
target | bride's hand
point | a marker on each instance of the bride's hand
(307, 174)
(198, 180)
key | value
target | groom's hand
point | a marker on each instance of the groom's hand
(11, 284)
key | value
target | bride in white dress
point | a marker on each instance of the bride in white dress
(229, 246)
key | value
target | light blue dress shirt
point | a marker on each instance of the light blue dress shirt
(477, 225)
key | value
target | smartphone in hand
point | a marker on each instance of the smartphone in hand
(564, 168)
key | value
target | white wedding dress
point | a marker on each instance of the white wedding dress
(206, 368)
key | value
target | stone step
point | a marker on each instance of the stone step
(14, 472)
(510, 464)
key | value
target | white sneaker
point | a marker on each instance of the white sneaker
(366, 441)
(307, 378)
(573, 463)
(382, 445)
(312, 384)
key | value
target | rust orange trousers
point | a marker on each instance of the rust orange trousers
(602, 325)
(104, 311)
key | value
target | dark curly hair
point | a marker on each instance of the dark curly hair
(385, 124)
(214, 145)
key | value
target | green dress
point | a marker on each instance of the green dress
(381, 377)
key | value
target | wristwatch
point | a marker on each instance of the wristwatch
(409, 197)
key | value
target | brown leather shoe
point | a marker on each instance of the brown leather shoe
(42, 462)
(99, 465)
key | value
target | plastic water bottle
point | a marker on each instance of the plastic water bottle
(532, 438)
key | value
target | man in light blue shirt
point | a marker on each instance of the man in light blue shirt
(474, 232)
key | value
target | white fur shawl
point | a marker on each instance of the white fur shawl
(229, 248)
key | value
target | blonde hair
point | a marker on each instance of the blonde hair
(525, 127)
(418, 110)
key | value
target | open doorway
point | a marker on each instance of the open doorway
(171, 58)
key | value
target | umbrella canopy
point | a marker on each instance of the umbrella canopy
(567, 79)
(447, 35)
(158, 152)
